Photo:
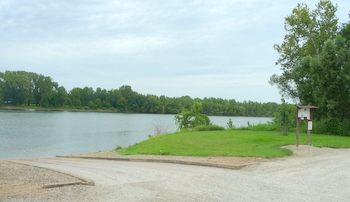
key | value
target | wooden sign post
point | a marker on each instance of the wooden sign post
(304, 113)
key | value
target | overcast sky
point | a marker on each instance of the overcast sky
(200, 48)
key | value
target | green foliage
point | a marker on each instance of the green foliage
(307, 32)
(230, 143)
(22, 88)
(118, 148)
(92, 105)
(330, 76)
(315, 61)
(332, 126)
(284, 118)
(259, 127)
(189, 119)
(230, 124)
(210, 127)
(1, 89)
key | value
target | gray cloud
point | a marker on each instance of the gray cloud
(198, 48)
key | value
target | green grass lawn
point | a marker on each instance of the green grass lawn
(229, 143)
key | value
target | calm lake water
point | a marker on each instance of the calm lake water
(33, 134)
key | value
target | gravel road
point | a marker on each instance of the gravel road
(312, 174)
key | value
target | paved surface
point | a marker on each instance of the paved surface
(312, 174)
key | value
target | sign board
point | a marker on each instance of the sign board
(304, 113)
(309, 125)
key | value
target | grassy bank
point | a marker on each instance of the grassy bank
(229, 143)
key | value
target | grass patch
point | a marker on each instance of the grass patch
(242, 143)
(208, 128)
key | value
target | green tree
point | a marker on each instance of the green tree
(16, 87)
(46, 90)
(111, 98)
(1, 89)
(171, 106)
(92, 105)
(20, 87)
(101, 94)
(152, 104)
(188, 119)
(86, 96)
(329, 74)
(62, 96)
(122, 104)
(285, 118)
(75, 97)
(345, 32)
(131, 98)
(98, 103)
(307, 32)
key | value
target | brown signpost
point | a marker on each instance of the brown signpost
(304, 113)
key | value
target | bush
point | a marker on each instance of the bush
(260, 126)
(191, 118)
(332, 126)
(230, 124)
(208, 128)
(284, 118)
(264, 127)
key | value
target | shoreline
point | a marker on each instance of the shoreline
(101, 111)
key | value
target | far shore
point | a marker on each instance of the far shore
(10, 107)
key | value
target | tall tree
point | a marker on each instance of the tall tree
(329, 74)
(16, 87)
(307, 32)
(130, 96)
(152, 105)
(345, 33)
(62, 96)
(44, 89)
(86, 95)
(75, 97)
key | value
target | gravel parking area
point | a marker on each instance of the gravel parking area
(311, 174)
(19, 180)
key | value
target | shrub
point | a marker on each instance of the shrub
(264, 127)
(191, 118)
(159, 127)
(332, 126)
(284, 118)
(230, 124)
(260, 126)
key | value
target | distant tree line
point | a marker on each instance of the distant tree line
(20, 88)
